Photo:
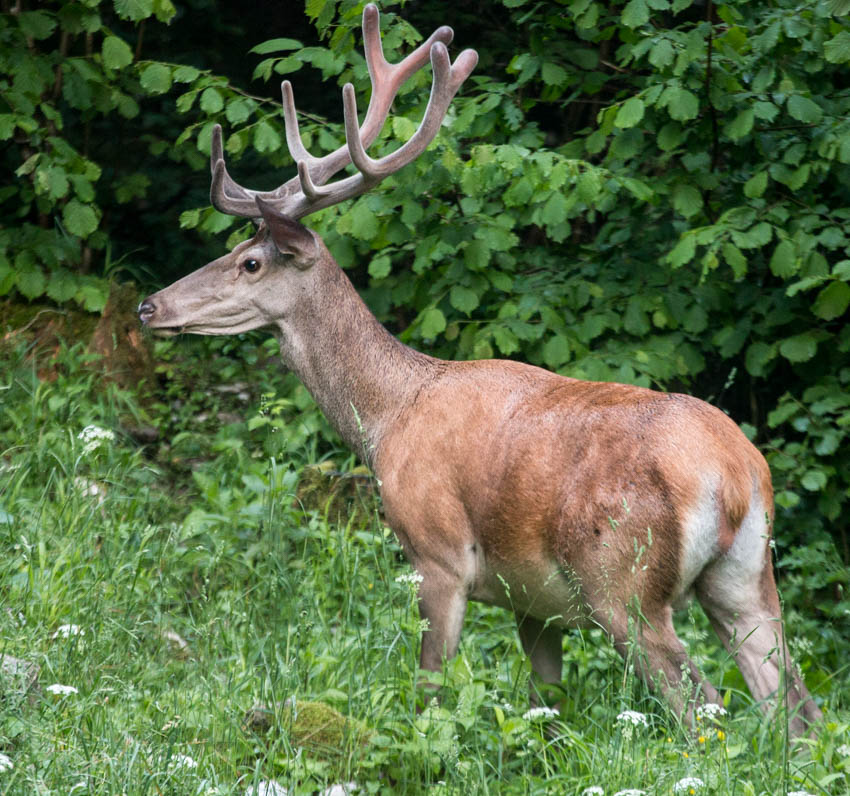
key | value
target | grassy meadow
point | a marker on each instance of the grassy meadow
(229, 620)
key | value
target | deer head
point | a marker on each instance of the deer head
(256, 284)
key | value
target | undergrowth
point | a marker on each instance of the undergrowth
(218, 633)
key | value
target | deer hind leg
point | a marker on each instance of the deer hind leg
(745, 613)
(648, 638)
(542, 644)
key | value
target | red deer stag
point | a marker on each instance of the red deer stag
(568, 502)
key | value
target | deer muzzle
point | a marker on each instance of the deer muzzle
(146, 311)
(150, 314)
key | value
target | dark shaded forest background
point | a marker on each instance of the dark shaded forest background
(653, 192)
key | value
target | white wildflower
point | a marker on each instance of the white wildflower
(540, 713)
(628, 720)
(66, 631)
(593, 790)
(6, 763)
(632, 717)
(630, 792)
(342, 789)
(844, 750)
(61, 690)
(411, 578)
(182, 761)
(267, 788)
(800, 793)
(94, 436)
(710, 711)
(688, 785)
(91, 489)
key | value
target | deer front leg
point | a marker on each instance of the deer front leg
(542, 644)
(442, 603)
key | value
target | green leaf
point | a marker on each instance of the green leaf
(832, 301)
(842, 270)
(630, 113)
(553, 74)
(814, 480)
(185, 74)
(736, 260)
(687, 200)
(828, 443)
(588, 186)
(380, 267)
(433, 323)
(211, 101)
(635, 320)
(803, 109)
(266, 138)
(156, 78)
(57, 182)
(136, 10)
(116, 53)
(238, 110)
(164, 10)
(556, 351)
(276, 45)
(364, 224)
(683, 252)
(639, 189)
(190, 219)
(681, 103)
(30, 281)
(36, 24)
(837, 49)
(476, 254)
(799, 348)
(758, 355)
(555, 209)
(756, 185)
(766, 111)
(783, 263)
(741, 125)
(93, 295)
(661, 54)
(756, 236)
(79, 219)
(463, 299)
(635, 13)
(61, 285)
(670, 136)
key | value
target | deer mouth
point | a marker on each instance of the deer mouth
(166, 331)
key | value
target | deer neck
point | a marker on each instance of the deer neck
(361, 376)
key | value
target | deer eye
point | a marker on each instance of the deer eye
(251, 266)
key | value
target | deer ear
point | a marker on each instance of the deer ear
(289, 236)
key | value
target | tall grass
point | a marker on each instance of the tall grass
(219, 635)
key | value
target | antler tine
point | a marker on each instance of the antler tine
(447, 80)
(242, 204)
(226, 195)
(386, 80)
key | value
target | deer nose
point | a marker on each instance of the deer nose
(146, 310)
